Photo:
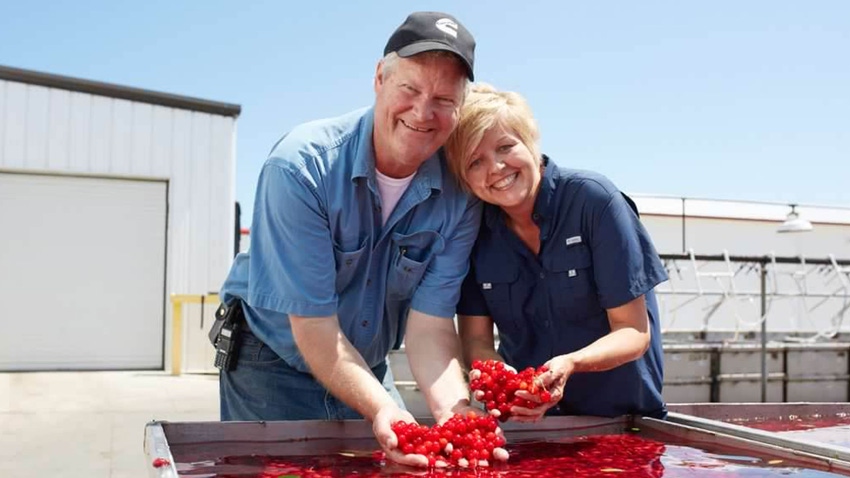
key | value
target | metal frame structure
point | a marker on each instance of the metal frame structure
(762, 263)
(716, 417)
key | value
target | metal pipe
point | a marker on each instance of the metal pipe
(684, 232)
(714, 367)
(763, 270)
(756, 259)
(742, 294)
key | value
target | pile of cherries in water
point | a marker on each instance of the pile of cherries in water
(463, 440)
(470, 440)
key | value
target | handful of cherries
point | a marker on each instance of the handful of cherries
(463, 440)
(499, 385)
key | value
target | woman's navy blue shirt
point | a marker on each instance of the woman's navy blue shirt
(594, 255)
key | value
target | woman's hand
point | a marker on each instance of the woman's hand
(475, 374)
(553, 380)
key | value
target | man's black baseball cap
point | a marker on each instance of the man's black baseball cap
(428, 31)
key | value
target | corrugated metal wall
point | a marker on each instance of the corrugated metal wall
(51, 129)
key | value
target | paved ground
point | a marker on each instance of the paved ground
(91, 424)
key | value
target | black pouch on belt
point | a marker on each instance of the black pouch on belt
(225, 334)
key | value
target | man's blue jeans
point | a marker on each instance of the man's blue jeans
(263, 387)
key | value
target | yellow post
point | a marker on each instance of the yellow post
(176, 335)
(177, 301)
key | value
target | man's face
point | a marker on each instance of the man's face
(416, 108)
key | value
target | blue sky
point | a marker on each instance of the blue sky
(725, 99)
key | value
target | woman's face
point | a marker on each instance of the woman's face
(502, 170)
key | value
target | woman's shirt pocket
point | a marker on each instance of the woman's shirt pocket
(497, 282)
(572, 289)
(411, 254)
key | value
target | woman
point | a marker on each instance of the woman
(561, 265)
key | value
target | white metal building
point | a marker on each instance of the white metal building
(742, 227)
(111, 198)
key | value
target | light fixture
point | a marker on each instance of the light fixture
(793, 223)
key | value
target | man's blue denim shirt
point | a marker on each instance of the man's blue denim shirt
(318, 247)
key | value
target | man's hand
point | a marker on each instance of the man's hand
(382, 428)
(462, 408)
(499, 453)
(433, 352)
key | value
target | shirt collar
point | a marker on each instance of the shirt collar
(364, 160)
(546, 194)
(429, 174)
(493, 215)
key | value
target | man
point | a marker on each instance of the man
(359, 233)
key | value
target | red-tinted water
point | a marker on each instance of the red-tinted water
(794, 422)
(620, 456)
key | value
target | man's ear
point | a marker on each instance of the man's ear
(379, 76)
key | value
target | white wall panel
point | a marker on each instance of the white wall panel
(79, 141)
(666, 232)
(179, 196)
(199, 184)
(121, 138)
(3, 88)
(140, 143)
(162, 142)
(35, 132)
(15, 131)
(58, 129)
(221, 209)
(100, 135)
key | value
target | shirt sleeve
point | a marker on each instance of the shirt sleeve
(439, 290)
(625, 262)
(472, 301)
(292, 267)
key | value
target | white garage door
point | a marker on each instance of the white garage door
(82, 273)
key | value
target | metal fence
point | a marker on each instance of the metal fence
(739, 297)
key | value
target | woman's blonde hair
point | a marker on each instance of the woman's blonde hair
(483, 108)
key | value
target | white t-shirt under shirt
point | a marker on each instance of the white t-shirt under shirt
(391, 190)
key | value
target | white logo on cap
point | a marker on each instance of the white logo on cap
(447, 25)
